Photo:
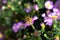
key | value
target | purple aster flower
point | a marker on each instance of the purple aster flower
(27, 10)
(56, 13)
(36, 7)
(54, 16)
(30, 21)
(28, 7)
(57, 9)
(48, 21)
(49, 4)
(17, 26)
(4, 1)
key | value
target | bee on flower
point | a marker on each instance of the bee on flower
(30, 20)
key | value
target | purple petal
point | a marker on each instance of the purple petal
(49, 24)
(48, 21)
(15, 27)
(57, 4)
(36, 7)
(35, 18)
(26, 25)
(43, 15)
(55, 10)
(27, 10)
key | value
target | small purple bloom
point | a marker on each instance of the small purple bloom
(27, 10)
(17, 26)
(28, 7)
(48, 21)
(4, 1)
(36, 7)
(49, 4)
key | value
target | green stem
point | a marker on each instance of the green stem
(33, 26)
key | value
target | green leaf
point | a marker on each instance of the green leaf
(41, 4)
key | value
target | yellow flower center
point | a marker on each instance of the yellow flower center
(54, 17)
(28, 20)
(48, 5)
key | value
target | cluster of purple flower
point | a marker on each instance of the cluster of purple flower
(20, 25)
(29, 7)
(51, 16)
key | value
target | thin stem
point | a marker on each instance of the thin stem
(33, 26)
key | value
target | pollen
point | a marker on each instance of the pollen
(28, 20)
(48, 5)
